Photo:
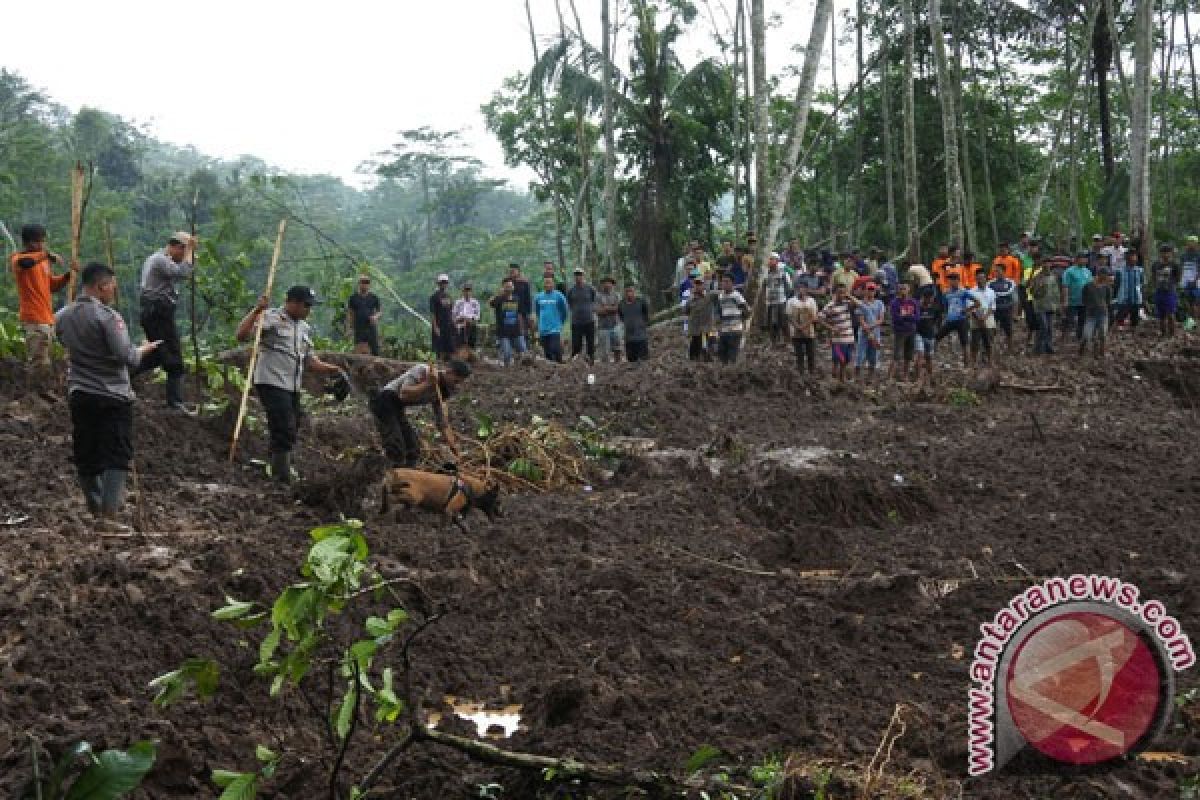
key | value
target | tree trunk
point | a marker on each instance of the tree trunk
(981, 121)
(610, 149)
(837, 197)
(736, 117)
(968, 182)
(1187, 32)
(1139, 127)
(954, 187)
(762, 99)
(747, 149)
(546, 131)
(888, 146)
(912, 220)
(786, 173)
(1166, 86)
(1073, 73)
(856, 234)
(1102, 49)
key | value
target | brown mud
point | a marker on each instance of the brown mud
(744, 590)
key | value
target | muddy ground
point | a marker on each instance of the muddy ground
(709, 595)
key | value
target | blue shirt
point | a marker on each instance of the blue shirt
(551, 310)
(955, 301)
(1074, 279)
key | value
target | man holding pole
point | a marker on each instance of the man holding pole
(285, 349)
(161, 275)
(36, 282)
(422, 385)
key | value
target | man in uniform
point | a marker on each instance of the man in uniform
(285, 350)
(99, 393)
(36, 282)
(363, 310)
(421, 385)
(161, 275)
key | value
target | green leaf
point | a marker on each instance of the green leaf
(703, 756)
(224, 777)
(234, 609)
(362, 652)
(114, 773)
(243, 787)
(397, 617)
(268, 646)
(265, 754)
(346, 712)
(52, 788)
(377, 627)
(203, 673)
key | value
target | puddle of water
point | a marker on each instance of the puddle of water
(507, 718)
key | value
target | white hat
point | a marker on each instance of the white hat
(775, 256)
(443, 278)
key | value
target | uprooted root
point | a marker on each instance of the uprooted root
(542, 458)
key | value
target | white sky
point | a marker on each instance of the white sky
(310, 86)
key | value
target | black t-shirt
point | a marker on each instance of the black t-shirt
(524, 295)
(363, 306)
(508, 315)
(442, 307)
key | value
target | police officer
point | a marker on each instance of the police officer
(284, 351)
(99, 393)
(421, 385)
(161, 275)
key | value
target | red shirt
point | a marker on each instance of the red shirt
(35, 284)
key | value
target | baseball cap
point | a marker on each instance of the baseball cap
(578, 270)
(180, 237)
(443, 278)
(1096, 237)
(775, 256)
(1193, 239)
(870, 287)
(302, 294)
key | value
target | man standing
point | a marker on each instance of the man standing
(1074, 278)
(1005, 289)
(36, 282)
(99, 393)
(1097, 296)
(1189, 263)
(776, 287)
(285, 350)
(699, 308)
(510, 322)
(1009, 264)
(441, 318)
(609, 320)
(1130, 276)
(420, 386)
(524, 294)
(869, 313)
(982, 304)
(635, 314)
(732, 312)
(802, 314)
(161, 275)
(466, 320)
(1045, 294)
(905, 313)
(363, 309)
(581, 297)
(955, 304)
(551, 309)
(1166, 275)
(837, 317)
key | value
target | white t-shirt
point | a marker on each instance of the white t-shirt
(1116, 255)
(802, 313)
(986, 298)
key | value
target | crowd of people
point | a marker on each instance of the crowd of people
(857, 302)
(854, 300)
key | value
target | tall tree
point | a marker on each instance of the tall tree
(912, 219)
(954, 184)
(762, 101)
(610, 146)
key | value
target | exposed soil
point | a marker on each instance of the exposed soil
(741, 590)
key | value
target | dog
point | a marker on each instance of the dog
(452, 495)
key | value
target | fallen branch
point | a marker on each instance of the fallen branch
(714, 562)
(1020, 387)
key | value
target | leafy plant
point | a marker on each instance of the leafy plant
(962, 398)
(81, 774)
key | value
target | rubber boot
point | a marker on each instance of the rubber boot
(112, 500)
(281, 467)
(175, 393)
(91, 492)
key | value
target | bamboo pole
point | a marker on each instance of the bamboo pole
(196, 383)
(76, 224)
(237, 427)
(108, 256)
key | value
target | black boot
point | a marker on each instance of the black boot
(175, 393)
(91, 492)
(112, 499)
(281, 467)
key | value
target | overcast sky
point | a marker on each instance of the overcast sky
(310, 86)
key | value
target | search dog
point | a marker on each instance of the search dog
(452, 495)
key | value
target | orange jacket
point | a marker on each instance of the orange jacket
(1011, 266)
(35, 284)
(948, 269)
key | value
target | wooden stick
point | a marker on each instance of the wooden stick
(108, 255)
(196, 382)
(76, 224)
(237, 428)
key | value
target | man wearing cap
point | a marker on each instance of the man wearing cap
(581, 298)
(1166, 275)
(1074, 278)
(363, 310)
(285, 350)
(441, 318)
(777, 287)
(161, 275)
(419, 386)
(99, 393)
(466, 319)
(550, 306)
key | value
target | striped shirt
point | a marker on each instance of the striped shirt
(839, 315)
(732, 309)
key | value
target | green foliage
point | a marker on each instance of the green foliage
(81, 774)
(704, 755)
(962, 398)
(336, 575)
(12, 337)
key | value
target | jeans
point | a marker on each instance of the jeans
(608, 343)
(552, 346)
(866, 351)
(805, 348)
(1096, 325)
(775, 321)
(507, 345)
(728, 344)
(1045, 333)
(583, 333)
(1074, 314)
